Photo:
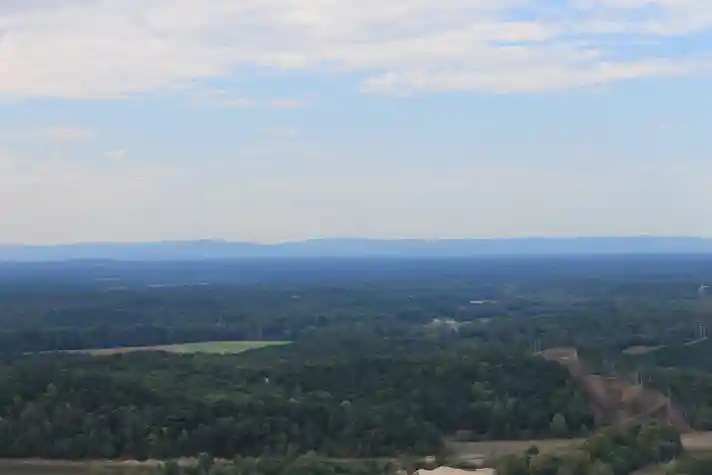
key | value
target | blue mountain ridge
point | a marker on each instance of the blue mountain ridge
(354, 247)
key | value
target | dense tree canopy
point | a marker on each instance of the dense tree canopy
(610, 302)
(375, 401)
(387, 356)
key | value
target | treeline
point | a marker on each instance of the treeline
(371, 400)
(614, 451)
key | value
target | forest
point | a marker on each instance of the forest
(385, 358)
(378, 400)
(612, 302)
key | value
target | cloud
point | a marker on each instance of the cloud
(52, 134)
(225, 99)
(116, 155)
(287, 103)
(66, 134)
(84, 49)
(220, 98)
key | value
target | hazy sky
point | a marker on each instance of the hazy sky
(273, 120)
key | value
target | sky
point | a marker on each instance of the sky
(280, 120)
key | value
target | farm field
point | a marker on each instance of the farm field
(213, 347)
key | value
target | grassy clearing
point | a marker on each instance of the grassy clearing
(212, 347)
(61, 467)
(695, 443)
(499, 448)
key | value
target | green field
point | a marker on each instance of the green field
(213, 347)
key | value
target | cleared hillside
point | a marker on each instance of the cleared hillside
(615, 400)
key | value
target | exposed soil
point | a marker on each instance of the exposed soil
(615, 400)
(697, 441)
(640, 350)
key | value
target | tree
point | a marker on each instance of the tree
(205, 463)
(559, 427)
(544, 464)
(600, 468)
(512, 465)
(575, 463)
(171, 467)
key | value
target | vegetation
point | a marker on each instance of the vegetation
(377, 400)
(600, 303)
(616, 451)
(691, 465)
(388, 359)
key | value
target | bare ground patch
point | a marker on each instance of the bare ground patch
(697, 441)
(640, 350)
(500, 448)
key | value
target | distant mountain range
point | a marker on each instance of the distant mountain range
(410, 248)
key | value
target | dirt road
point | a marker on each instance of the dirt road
(697, 441)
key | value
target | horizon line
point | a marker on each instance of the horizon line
(351, 238)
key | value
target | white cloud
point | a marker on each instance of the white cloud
(116, 156)
(220, 98)
(287, 103)
(113, 48)
(225, 99)
(67, 134)
(52, 134)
